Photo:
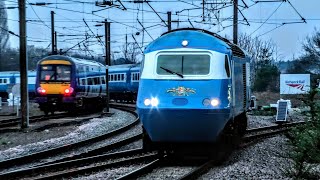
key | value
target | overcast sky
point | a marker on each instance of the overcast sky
(265, 19)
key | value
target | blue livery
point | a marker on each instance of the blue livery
(194, 85)
(69, 84)
(10, 78)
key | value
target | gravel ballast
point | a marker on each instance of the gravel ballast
(93, 128)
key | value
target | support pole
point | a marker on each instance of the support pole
(203, 1)
(169, 21)
(23, 66)
(52, 33)
(126, 50)
(55, 43)
(235, 22)
(107, 59)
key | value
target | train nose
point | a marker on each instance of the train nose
(184, 125)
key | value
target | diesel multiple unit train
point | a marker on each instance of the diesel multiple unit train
(194, 86)
(69, 84)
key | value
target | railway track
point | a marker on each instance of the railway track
(11, 125)
(67, 147)
(250, 138)
(16, 121)
(96, 160)
(85, 161)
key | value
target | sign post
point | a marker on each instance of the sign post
(16, 95)
(294, 83)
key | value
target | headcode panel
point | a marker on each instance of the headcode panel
(282, 111)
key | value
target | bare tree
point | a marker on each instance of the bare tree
(130, 52)
(261, 52)
(4, 35)
(312, 44)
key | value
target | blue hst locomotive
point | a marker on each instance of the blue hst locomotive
(194, 84)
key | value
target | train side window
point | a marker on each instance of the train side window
(83, 81)
(103, 80)
(0, 81)
(87, 68)
(112, 77)
(227, 66)
(122, 77)
(97, 80)
(5, 81)
(119, 77)
(90, 81)
(138, 76)
(109, 77)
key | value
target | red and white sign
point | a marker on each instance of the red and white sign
(294, 83)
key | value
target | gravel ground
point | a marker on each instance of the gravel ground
(171, 172)
(93, 128)
(260, 161)
(113, 173)
(261, 121)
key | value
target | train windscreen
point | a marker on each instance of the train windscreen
(183, 64)
(59, 73)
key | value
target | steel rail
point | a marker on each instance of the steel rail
(15, 121)
(100, 150)
(45, 153)
(142, 171)
(94, 168)
(56, 166)
(197, 172)
(285, 125)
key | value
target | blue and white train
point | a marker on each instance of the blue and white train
(194, 86)
(68, 84)
(10, 78)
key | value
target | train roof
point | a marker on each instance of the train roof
(123, 67)
(198, 38)
(72, 59)
(10, 73)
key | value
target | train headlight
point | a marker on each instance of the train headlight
(215, 102)
(184, 43)
(154, 102)
(206, 102)
(41, 90)
(147, 102)
(68, 91)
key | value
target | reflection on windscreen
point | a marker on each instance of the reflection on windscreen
(55, 73)
(184, 64)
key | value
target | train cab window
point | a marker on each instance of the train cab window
(55, 73)
(63, 73)
(226, 65)
(184, 64)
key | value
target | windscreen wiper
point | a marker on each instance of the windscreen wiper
(171, 72)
